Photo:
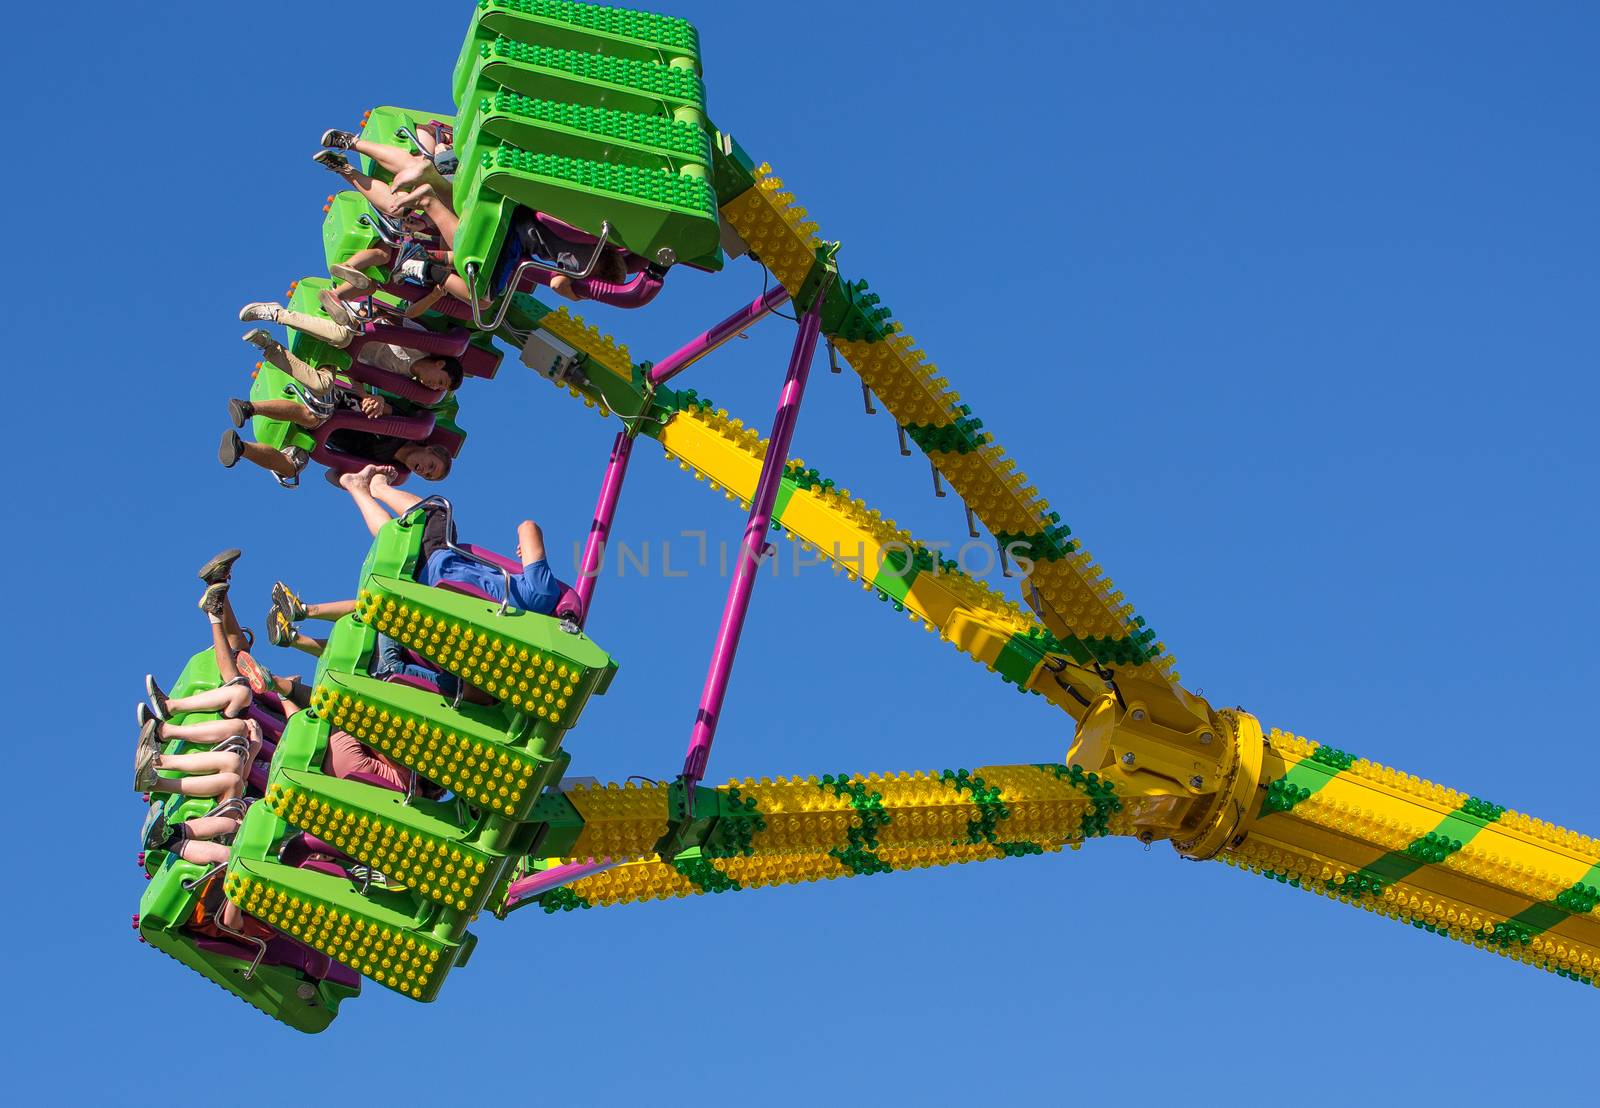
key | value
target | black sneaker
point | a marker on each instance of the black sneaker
(240, 410)
(220, 565)
(142, 714)
(158, 699)
(213, 599)
(231, 449)
(332, 159)
(280, 632)
(336, 139)
(285, 600)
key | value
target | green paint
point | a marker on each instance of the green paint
(1304, 779)
(1454, 831)
(1577, 899)
(1102, 796)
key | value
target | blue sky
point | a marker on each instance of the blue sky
(1290, 313)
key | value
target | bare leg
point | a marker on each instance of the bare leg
(422, 174)
(359, 486)
(221, 783)
(209, 827)
(229, 699)
(231, 629)
(222, 649)
(396, 500)
(307, 645)
(289, 411)
(378, 194)
(269, 459)
(203, 853)
(208, 733)
(332, 610)
(391, 159)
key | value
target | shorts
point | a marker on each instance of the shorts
(536, 589)
(347, 755)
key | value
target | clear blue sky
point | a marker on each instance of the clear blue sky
(1300, 339)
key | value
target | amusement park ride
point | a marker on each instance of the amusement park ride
(595, 117)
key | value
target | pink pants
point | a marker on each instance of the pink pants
(347, 755)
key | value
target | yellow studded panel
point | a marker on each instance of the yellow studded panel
(442, 871)
(1079, 599)
(619, 821)
(484, 773)
(391, 956)
(528, 680)
(589, 339)
(775, 228)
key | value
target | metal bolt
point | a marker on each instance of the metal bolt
(1205, 738)
(1127, 759)
(1138, 714)
(1196, 781)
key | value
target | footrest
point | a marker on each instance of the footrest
(325, 913)
(526, 660)
(377, 827)
(469, 751)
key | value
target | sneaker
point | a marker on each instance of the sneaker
(240, 410)
(352, 276)
(213, 599)
(260, 311)
(412, 269)
(158, 699)
(143, 715)
(261, 339)
(145, 756)
(335, 309)
(298, 457)
(220, 565)
(319, 406)
(251, 670)
(157, 833)
(231, 449)
(286, 601)
(280, 632)
(368, 878)
(332, 159)
(339, 140)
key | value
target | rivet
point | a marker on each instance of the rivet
(1127, 759)
(1138, 714)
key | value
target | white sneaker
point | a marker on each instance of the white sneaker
(260, 311)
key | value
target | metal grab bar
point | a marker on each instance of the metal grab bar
(259, 944)
(449, 540)
(523, 267)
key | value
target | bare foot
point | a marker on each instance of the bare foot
(383, 475)
(360, 480)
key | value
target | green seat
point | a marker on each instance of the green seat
(590, 114)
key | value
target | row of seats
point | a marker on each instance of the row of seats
(445, 842)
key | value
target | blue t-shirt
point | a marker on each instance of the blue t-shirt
(535, 589)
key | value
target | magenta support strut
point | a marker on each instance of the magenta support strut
(751, 550)
(605, 511)
(707, 341)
